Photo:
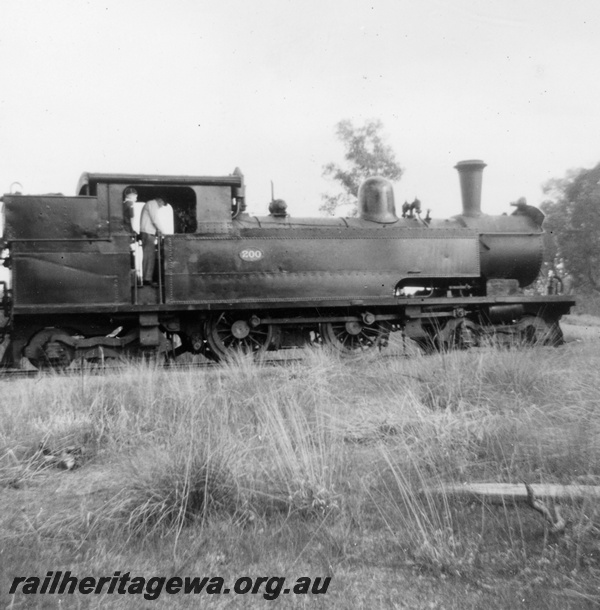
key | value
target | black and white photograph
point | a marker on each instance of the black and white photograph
(299, 304)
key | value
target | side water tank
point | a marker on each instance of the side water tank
(376, 201)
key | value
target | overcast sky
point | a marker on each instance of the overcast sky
(200, 87)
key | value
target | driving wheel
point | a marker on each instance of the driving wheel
(350, 338)
(228, 333)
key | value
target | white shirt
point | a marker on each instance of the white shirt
(155, 218)
(137, 208)
(166, 219)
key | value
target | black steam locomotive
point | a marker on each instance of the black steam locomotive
(229, 281)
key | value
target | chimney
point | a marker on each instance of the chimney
(470, 174)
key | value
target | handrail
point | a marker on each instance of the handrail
(160, 270)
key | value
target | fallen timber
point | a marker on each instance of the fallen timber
(510, 493)
(504, 493)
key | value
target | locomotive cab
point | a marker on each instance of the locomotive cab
(198, 204)
(194, 199)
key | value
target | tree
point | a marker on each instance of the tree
(572, 225)
(366, 155)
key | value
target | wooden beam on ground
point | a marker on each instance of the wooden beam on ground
(502, 493)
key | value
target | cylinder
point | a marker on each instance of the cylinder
(470, 174)
(505, 313)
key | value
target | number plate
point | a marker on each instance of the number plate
(251, 254)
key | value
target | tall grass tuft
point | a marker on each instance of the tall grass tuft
(297, 459)
(423, 524)
(164, 489)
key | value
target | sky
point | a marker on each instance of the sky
(200, 87)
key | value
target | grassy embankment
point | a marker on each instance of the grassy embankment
(310, 470)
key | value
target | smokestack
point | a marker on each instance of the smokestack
(470, 174)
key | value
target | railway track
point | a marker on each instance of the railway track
(97, 369)
(75, 369)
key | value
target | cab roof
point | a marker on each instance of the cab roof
(88, 180)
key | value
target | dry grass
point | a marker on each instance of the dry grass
(314, 469)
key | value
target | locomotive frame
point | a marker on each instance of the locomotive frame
(263, 283)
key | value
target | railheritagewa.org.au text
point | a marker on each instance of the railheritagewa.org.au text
(269, 587)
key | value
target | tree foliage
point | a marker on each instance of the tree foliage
(366, 154)
(572, 225)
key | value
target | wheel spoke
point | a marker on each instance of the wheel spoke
(219, 332)
(347, 340)
(255, 341)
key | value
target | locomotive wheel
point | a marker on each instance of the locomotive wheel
(533, 330)
(227, 334)
(49, 348)
(350, 338)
